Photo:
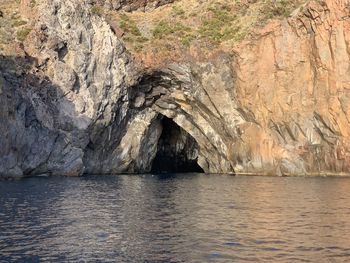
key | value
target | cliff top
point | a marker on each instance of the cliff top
(155, 30)
(192, 26)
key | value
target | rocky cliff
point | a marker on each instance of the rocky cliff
(78, 96)
(132, 5)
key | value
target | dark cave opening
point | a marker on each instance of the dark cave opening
(177, 151)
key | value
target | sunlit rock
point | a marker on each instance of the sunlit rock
(278, 106)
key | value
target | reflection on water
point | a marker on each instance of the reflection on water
(175, 218)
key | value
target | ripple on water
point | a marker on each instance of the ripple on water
(175, 218)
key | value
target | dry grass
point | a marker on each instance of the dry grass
(205, 24)
(13, 28)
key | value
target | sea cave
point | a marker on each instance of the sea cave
(177, 151)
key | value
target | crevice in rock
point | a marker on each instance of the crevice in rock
(62, 51)
(177, 151)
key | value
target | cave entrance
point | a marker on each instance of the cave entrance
(177, 151)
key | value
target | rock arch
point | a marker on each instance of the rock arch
(158, 96)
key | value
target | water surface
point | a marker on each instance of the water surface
(175, 218)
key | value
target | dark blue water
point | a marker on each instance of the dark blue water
(175, 218)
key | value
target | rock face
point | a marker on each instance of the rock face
(32, 141)
(132, 5)
(295, 81)
(278, 104)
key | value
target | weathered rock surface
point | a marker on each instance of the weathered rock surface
(278, 104)
(132, 5)
(33, 141)
(294, 80)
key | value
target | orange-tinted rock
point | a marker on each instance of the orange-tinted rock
(277, 104)
(28, 9)
(295, 79)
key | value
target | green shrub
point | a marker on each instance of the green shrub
(96, 10)
(187, 40)
(18, 23)
(23, 33)
(220, 25)
(164, 28)
(128, 25)
(278, 8)
(141, 39)
(177, 11)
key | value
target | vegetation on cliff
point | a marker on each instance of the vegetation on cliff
(203, 24)
(179, 25)
(14, 28)
(88, 104)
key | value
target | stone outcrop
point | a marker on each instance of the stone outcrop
(31, 139)
(133, 5)
(278, 104)
(294, 80)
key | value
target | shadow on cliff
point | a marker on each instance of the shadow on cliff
(27, 79)
(34, 136)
